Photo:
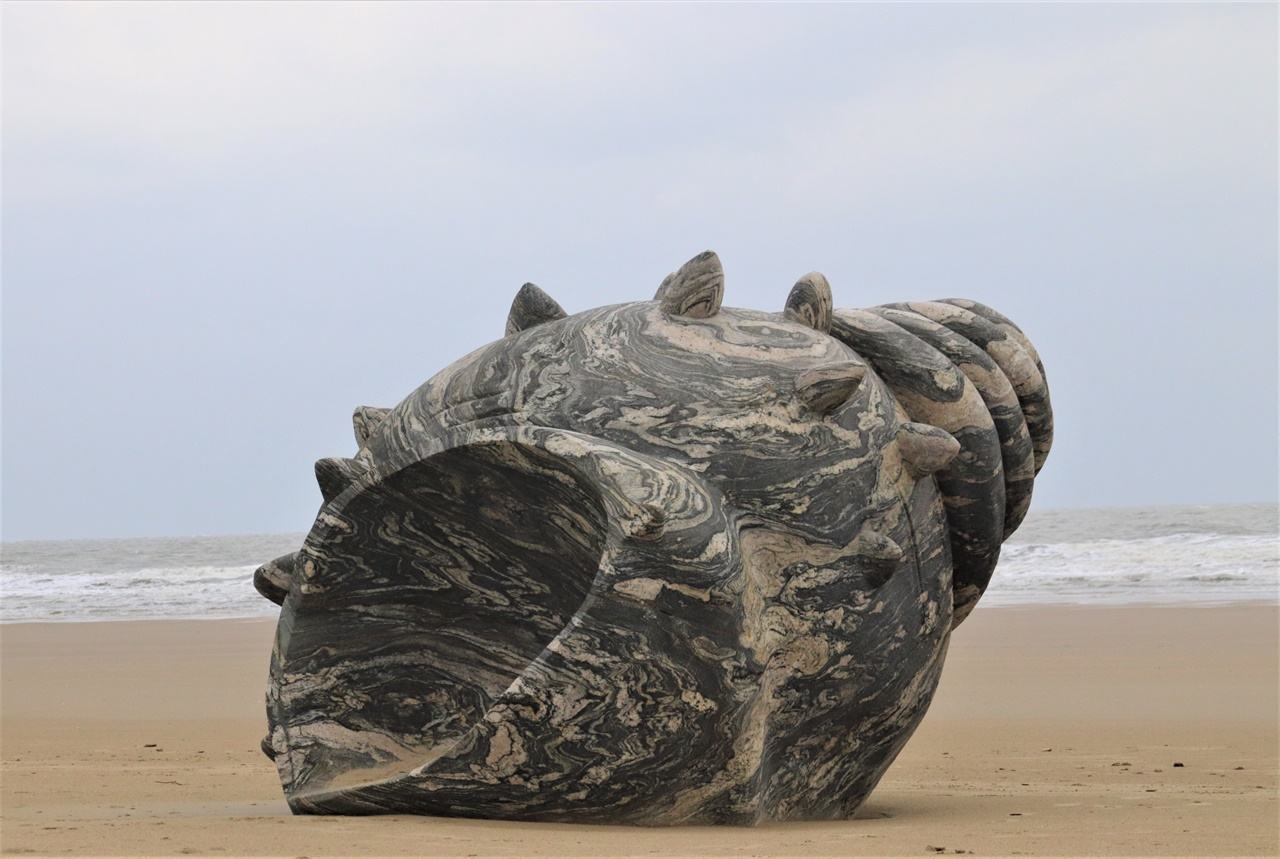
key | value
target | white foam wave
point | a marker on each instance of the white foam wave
(1179, 568)
(149, 593)
(150, 579)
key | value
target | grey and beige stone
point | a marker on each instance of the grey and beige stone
(664, 562)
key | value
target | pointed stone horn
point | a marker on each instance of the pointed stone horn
(810, 302)
(365, 420)
(335, 475)
(878, 557)
(274, 578)
(926, 449)
(531, 307)
(696, 290)
(824, 389)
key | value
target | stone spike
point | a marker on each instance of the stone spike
(825, 388)
(878, 557)
(926, 449)
(696, 290)
(365, 420)
(334, 475)
(810, 302)
(531, 307)
(274, 578)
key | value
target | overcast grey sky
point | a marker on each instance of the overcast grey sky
(226, 225)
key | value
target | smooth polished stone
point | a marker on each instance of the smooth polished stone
(665, 562)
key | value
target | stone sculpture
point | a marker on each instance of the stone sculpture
(659, 563)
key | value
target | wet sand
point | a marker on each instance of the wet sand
(1055, 732)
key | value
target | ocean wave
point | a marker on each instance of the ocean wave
(207, 577)
(1175, 568)
(147, 593)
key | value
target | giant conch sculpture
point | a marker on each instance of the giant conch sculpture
(664, 562)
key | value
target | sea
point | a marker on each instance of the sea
(1176, 555)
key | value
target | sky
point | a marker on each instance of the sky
(227, 225)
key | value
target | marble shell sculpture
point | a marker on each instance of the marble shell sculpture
(664, 562)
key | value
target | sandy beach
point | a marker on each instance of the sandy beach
(1056, 731)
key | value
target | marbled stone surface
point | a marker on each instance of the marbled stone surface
(658, 563)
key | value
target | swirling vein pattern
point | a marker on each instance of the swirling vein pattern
(665, 562)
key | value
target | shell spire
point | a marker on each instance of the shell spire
(810, 302)
(926, 449)
(696, 290)
(824, 389)
(531, 307)
(274, 578)
(365, 420)
(878, 558)
(334, 476)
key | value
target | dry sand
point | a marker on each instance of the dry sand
(1055, 731)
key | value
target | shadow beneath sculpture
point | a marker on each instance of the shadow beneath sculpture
(658, 563)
